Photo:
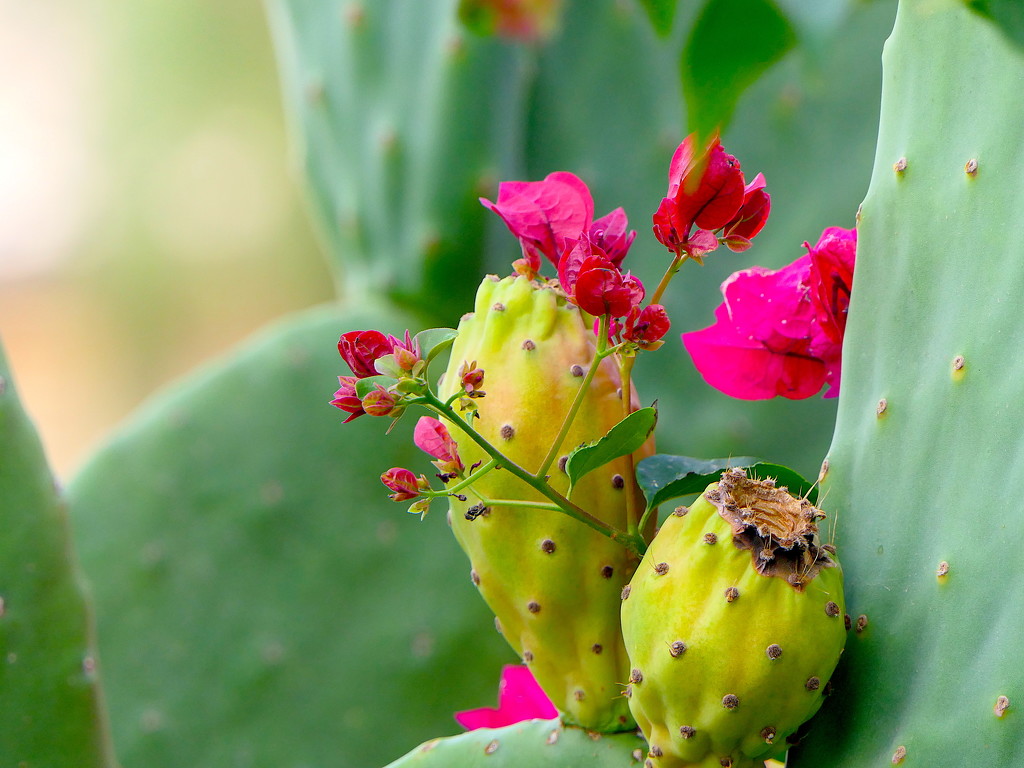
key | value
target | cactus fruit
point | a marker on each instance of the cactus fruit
(733, 624)
(553, 583)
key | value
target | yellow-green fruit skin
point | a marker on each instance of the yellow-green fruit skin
(553, 583)
(709, 597)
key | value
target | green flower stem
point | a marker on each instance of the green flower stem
(599, 355)
(466, 482)
(644, 517)
(667, 277)
(516, 503)
(540, 485)
(632, 515)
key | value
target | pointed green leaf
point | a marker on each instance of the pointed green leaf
(625, 437)
(731, 45)
(434, 341)
(370, 383)
(51, 711)
(529, 744)
(663, 477)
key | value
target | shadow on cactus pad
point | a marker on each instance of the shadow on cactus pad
(260, 602)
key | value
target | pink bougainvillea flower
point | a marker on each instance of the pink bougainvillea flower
(594, 283)
(609, 233)
(645, 327)
(519, 698)
(601, 289)
(406, 351)
(751, 217)
(432, 437)
(404, 484)
(832, 262)
(544, 214)
(346, 399)
(361, 349)
(706, 193)
(548, 216)
(780, 332)
(761, 343)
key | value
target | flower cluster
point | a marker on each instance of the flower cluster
(781, 332)
(553, 218)
(708, 202)
(368, 354)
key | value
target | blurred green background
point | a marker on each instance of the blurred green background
(150, 216)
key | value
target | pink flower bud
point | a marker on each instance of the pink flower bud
(346, 399)
(601, 289)
(432, 437)
(406, 351)
(472, 377)
(380, 402)
(404, 484)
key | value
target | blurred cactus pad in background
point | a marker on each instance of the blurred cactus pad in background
(240, 583)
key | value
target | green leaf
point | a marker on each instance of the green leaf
(434, 341)
(51, 710)
(528, 744)
(625, 437)
(370, 383)
(1008, 15)
(731, 45)
(663, 477)
(661, 13)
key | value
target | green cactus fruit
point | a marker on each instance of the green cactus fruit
(734, 623)
(552, 582)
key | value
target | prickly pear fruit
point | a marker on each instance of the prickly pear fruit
(553, 583)
(733, 622)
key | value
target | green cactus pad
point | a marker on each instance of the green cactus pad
(924, 470)
(733, 624)
(552, 582)
(401, 117)
(260, 600)
(51, 705)
(529, 744)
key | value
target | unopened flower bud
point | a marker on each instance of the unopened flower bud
(380, 402)
(346, 398)
(404, 484)
(472, 377)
